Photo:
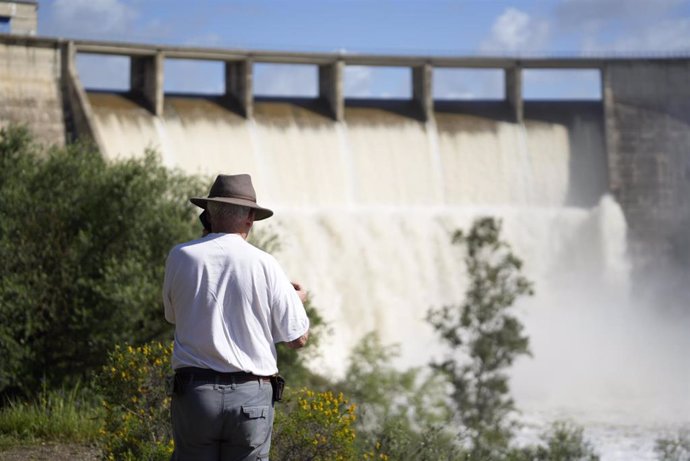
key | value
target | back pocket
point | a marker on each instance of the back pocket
(254, 424)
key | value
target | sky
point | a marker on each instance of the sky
(392, 27)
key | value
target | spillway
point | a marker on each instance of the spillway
(365, 207)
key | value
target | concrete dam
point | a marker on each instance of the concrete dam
(593, 195)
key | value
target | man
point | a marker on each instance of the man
(230, 303)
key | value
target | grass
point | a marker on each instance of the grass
(65, 416)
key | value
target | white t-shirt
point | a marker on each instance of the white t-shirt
(230, 303)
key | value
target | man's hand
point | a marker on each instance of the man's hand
(301, 292)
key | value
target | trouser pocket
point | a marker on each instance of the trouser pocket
(255, 424)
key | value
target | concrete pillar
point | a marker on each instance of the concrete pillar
(422, 90)
(514, 93)
(77, 111)
(331, 88)
(239, 85)
(146, 80)
(610, 133)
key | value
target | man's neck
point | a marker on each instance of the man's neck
(242, 233)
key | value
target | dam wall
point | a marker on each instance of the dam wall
(31, 86)
(374, 157)
(331, 152)
(648, 126)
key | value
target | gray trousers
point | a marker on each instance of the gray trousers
(215, 419)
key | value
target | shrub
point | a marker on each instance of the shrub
(562, 442)
(83, 244)
(316, 426)
(403, 414)
(137, 410)
(484, 337)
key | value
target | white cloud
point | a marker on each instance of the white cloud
(516, 31)
(92, 18)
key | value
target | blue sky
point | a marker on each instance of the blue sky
(398, 27)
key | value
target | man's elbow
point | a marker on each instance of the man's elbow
(299, 342)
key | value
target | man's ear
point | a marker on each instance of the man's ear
(251, 215)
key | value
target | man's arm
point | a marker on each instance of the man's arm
(299, 342)
(301, 292)
(302, 340)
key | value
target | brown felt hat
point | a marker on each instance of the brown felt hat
(235, 189)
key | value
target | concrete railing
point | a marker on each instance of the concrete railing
(146, 72)
(147, 79)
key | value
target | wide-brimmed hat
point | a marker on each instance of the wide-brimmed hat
(235, 189)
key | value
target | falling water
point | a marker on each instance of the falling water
(365, 210)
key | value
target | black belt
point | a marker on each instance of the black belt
(237, 377)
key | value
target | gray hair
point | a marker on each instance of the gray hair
(226, 212)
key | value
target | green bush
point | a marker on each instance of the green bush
(308, 425)
(484, 337)
(314, 426)
(83, 244)
(403, 414)
(562, 442)
(137, 410)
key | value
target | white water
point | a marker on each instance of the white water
(365, 210)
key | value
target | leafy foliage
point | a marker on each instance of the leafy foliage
(563, 442)
(137, 409)
(484, 338)
(83, 244)
(309, 425)
(314, 426)
(403, 414)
